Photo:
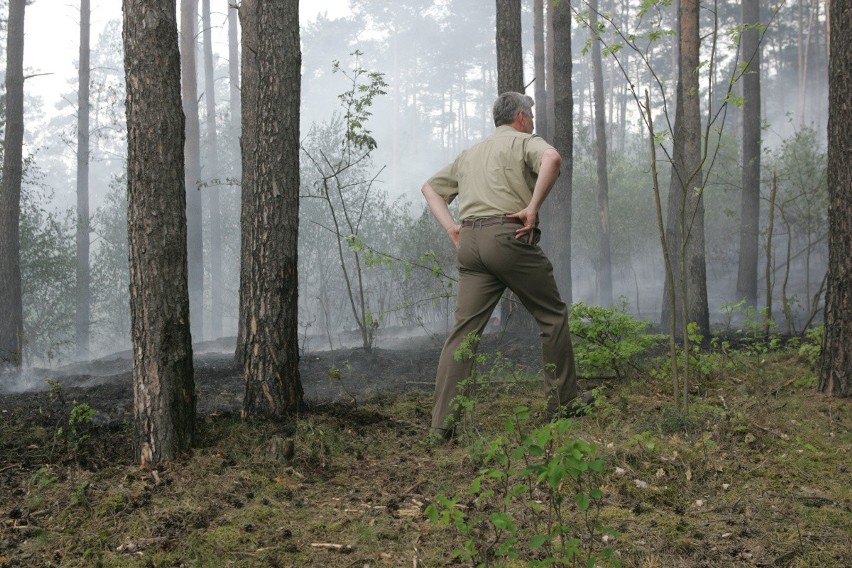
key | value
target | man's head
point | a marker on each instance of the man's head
(514, 109)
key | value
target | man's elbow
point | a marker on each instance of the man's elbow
(553, 158)
(427, 190)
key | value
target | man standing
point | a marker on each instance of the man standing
(501, 184)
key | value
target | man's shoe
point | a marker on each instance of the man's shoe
(577, 407)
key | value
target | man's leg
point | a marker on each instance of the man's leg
(528, 273)
(478, 293)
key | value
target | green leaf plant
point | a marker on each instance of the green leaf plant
(536, 499)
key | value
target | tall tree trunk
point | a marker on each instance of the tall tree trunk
(234, 68)
(835, 369)
(163, 388)
(11, 302)
(697, 310)
(559, 216)
(81, 319)
(604, 258)
(248, 145)
(510, 55)
(540, 74)
(213, 173)
(271, 366)
(750, 203)
(189, 80)
(686, 204)
(548, 65)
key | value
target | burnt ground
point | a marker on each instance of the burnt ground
(347, 375)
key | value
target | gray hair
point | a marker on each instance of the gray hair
(507, 106)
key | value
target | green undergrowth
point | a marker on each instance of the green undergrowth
(756, 474)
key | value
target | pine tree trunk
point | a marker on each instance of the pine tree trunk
(213, 173)
(697, 310)
(11, 302)
(548, 65)
(540, 74)
(189, 80)
(835, 370)
(234, 67)
(604, 258)
(559, 214)
(81, 320)
(750, 203)
(510, 55)
(271, 366)
(686, 204)
(248, 146)
(163, 388)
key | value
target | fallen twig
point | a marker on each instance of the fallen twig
(342, 548)
(13, 466)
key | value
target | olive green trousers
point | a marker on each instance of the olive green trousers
(491, 259)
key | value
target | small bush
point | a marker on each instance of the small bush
(608, 339)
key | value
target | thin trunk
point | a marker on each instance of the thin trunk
(604, 258)
(667, 261)
(213, 173)
(750, 197)
(770, 228)
(195, 250)
(83, 295)
(835, 369)
(271, 366)
(785, 300)
(11, 301)
(163, 387)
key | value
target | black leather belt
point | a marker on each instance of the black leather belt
(488, 221)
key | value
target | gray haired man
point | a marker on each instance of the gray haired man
(501, 184)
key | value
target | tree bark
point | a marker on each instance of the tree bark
(271, 366)
(750, 201)
(697, 310)
(83, 295)
(195, 245)
(213, 173)
(234, 67)
(604, 256)
(548, 64)
(248, 146)
(559, 214)
(163, 388)
(686, 205)
(11, 302)
(510, 55)
(835, 370)
(540, 73)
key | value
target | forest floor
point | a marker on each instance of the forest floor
(757, 474)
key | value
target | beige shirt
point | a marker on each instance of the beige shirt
(495, 177)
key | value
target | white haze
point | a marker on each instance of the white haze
(52, 37)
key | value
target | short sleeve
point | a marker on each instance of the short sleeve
(534, 150)
(446, 182)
